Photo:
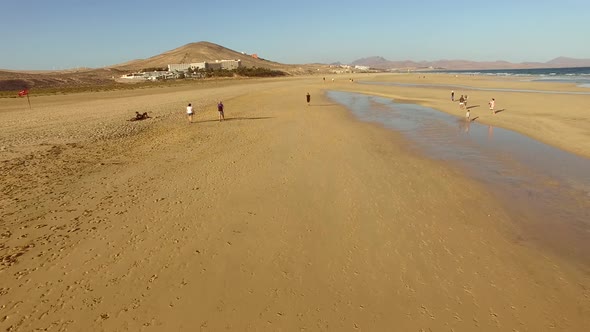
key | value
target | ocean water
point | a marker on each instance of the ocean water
(474, 88)
(547, 190)
(578, 75)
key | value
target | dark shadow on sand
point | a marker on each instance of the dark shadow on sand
(323, 105)
(499, 111)
(474, 118)
(236, 119)
(474, 106)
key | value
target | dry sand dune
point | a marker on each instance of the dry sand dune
(283, 217)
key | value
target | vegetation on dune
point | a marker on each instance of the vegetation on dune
(242, 71)
(49, 85)
(7, 85)
(259, 72)
(145, 70)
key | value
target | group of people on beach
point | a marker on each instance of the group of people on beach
(190, 111)
(220, 109)
(463, 104)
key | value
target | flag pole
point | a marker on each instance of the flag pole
(29, 100)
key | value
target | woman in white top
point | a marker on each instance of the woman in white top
(189, 112)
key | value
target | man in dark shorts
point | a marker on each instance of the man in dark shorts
(220, 110)
(308, 98)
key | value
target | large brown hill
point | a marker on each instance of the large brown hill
(200, 52)
(11, 80)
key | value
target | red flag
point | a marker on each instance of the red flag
(23, 93)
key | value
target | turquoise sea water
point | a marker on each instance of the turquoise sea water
(577, 75)
(473, 88)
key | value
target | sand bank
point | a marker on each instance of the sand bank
(285, 216)
(561, 120)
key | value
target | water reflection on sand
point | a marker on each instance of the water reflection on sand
(544, 188)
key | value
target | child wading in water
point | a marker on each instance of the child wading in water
(220, 110)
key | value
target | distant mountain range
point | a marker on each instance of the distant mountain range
(378, 62)
(11, 80)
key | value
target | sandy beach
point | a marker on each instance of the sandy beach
(283, 217)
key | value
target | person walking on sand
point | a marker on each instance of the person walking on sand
(492, 104)
(467, 115)
(461, 102)
(220, 110)
(189, 113)
(308, 98)
(452, 95)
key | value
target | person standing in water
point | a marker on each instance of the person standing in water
(220, 110)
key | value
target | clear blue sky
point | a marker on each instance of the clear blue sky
(59, 34)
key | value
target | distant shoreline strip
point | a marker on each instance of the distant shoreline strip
(466, 87)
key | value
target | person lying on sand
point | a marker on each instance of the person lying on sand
(139, 116)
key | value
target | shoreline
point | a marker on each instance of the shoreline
(473, 88)
(286, 216)
(525, 114)
(431, 127)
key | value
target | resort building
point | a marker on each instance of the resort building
(179, 67)
(177, 70)
(230, 64)
(218, 64)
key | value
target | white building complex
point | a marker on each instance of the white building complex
(176, 70)
(218, 64)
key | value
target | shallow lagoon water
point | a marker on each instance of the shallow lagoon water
(547, 190)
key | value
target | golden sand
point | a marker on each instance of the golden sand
(283, 217)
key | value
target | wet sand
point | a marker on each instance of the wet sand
(285, 216)
(559, 120)
(547, 190)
